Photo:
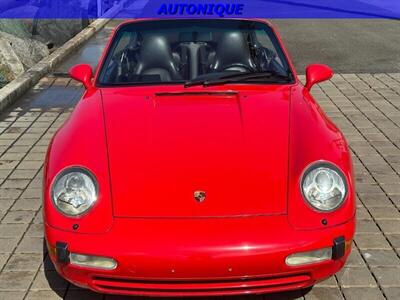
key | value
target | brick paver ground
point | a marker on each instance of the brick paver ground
(365, 106)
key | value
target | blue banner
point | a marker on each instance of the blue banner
(52, 9)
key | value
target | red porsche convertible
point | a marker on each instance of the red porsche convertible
(197, 164)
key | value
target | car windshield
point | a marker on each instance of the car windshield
(192, 51)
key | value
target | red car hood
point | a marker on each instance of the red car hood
(163, 148)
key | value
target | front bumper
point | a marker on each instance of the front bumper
(199, 257)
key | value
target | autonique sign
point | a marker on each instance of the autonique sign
(204, 9)
(59, 9)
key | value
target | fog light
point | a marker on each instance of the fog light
(90, 261)
(304, 258)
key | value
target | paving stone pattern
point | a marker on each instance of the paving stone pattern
(365, 106)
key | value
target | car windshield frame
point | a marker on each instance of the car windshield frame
(247, 24)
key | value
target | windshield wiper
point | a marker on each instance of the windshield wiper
(237, 77)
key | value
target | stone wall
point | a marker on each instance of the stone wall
(25, 42)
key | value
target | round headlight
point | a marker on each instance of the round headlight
(324, 187)
(74, 191)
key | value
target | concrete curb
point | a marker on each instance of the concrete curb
(20, 85)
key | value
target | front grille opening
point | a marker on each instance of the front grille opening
(217, 286)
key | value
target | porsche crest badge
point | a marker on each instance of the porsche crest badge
(200, 196)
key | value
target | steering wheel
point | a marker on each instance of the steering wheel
(239, 67)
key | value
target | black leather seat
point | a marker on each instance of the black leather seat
(232, 54)
(156, 58)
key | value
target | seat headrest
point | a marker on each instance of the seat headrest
(155, 53)
(232, 49)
